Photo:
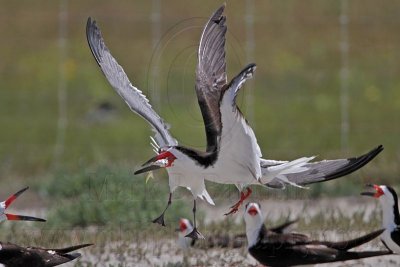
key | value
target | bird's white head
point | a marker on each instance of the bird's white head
(185, 227)
(388, 199)
(254, 220)
(386, 194)
(164, 159)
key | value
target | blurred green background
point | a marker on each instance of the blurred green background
(49, 78)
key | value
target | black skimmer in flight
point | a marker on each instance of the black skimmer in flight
(12, 255)
(290, 249)
(391, 218)
(221, 240)
(12, 217)
(232, 155)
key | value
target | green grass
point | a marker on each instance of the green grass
(110, 198)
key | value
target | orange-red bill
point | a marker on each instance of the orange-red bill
(13, 197)
(378, 191)
(182, 225)
(252, 211)
(13, 217)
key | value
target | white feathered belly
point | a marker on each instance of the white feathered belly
(229, 171)
(239, 155)
(193, 181)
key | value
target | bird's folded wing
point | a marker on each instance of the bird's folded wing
(58, 259)
(280, 229)
(282, 240)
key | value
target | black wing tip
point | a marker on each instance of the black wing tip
(90, 25)
(369, 254)
(282, 227)
(376, 150)
(356, 255)
(251, 67)
(218, 13)
(21, 191)
(371, 154)
(380, 147)
(368, 237)
(94, 38)
(217, 17)
(248, 71)
(33, 219)
(355, 163)
(73, 248)
(350, 244)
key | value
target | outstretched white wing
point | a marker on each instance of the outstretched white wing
(133, 97)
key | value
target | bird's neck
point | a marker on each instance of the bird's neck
(390, 214)
(253, 230)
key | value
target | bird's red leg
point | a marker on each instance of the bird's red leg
(243, 197)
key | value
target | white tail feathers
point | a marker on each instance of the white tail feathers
(280, 171)
(205, 196)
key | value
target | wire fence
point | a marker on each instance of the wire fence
(326, 83)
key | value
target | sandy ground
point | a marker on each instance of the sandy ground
(156, 251)
(166, 252)
(169, 254)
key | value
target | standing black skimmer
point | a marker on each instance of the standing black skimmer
(232, 155)
(12, 217)
(292, 249)
(221, 240)
(391, 217)
(12, 255)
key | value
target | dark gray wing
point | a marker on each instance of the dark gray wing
(72, 248)
(280, 229)
(327, 170)
(211, 75)
(288, 239)
(349, 244)
(116, 76)
(55, 260)
(268, 239)
(54, 257)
